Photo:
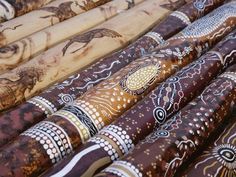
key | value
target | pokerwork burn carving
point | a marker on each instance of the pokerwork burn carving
(87, 37)
(62, 12)
(12, 91)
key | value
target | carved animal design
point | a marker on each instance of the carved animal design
(131, 3)
(12, 91)
(90, 4)
(173, 5)
(87, 37)
(62, 12)
(9, 49)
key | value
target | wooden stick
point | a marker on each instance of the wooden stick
(51, 14)
(57, 96)
(173, 143)
(10, 9)
(219, 157)
(135, 124)
(81, 50)
(75, 123)
(30, 46)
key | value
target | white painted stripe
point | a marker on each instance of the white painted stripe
(74, 161)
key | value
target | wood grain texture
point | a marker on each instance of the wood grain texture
(51, 14)
(218, 159)
(136, 123)
(54, 98)
(25, 49)
(172, 144)
(14, 8)
(68, 128)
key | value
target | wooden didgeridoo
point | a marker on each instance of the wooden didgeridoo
(10, 9)
(51, 14)
(30, 46)
(67, 57)
(174, 142)
(138, 122)
(36, 109)
(219, 158)
(99, 106)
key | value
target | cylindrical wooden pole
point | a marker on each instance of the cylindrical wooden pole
(135, 124)
(21, 51)
(219, 158)
(66, 129)
(27, 114)
(170, 145)
(51, 14)
(10, 9)
(67, 57)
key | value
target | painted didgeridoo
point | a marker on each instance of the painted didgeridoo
(74, 124)
(36, 109)
(219, 159)
(139, 121)
(171, 144)
(10, 9)
(23, 50)
(36, 20)
(67, 57)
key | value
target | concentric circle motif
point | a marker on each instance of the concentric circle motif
(226, 154)
(66, 98)
(162, 133)
(159, 114)
(173, 79)
(199, 5)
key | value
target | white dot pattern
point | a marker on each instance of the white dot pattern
(53, 138)
(106, 146)
(43, 104)
(229, 75)
(91, 112)
(119, 136)
(156, 37)
(183, 17)
(81, 128)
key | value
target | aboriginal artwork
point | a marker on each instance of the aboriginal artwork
(67, 91)
(13, 93)
(173, 143)
(57, 64)
(136, 82)
(139, 121)
(90, 4)
(87, 37)
(219, 159)
(62, 12)
(23, 50)
(67, 120)
(173, 4)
